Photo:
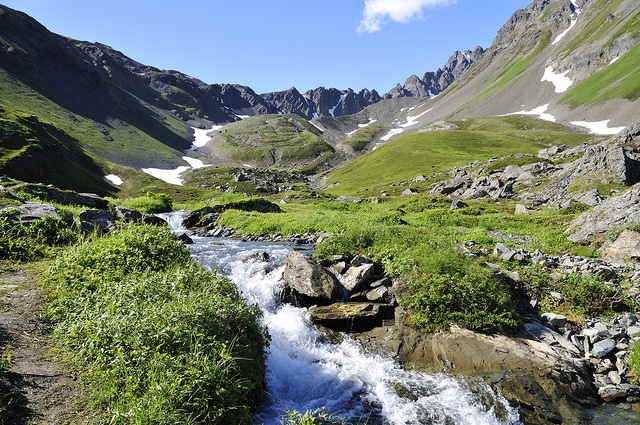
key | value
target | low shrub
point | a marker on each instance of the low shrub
(159, 339)
(458, 291)
(20, 242)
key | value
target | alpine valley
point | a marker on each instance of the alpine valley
(480, 220)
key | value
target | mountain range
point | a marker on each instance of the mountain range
(98, 111)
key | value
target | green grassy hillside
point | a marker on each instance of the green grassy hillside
(429, 152)
(618, 80)
(270, 141)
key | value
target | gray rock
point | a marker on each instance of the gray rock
(101, 218)
(611, 393)
(409, 192)
(351, 317)
(32, 211)
(457, 204)
(590, 198)
(602, 348)
(556, 320)
(610, 214)
(379, 294)
(308, 283)
(355, 278)
(521, 209)
(127, 214)
(512, 172)
(624, 249)
(504, 252)
(633, 331)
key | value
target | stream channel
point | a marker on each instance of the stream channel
(308, 371)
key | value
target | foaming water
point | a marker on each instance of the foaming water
(306, 371)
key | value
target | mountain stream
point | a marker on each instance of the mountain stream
(307, 371)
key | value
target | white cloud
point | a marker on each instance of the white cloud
(378, 12)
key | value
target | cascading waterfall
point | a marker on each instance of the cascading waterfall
(306, 371)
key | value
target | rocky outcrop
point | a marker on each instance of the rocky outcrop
(548, 388)
(64, 197)
(607, 216)
(29, 212)
(624, 249)
(555, 178)
(291, 101)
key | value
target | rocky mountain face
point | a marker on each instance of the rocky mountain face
(433, 83)
(554, 56)
(28, 57)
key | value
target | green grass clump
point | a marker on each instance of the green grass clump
(151, 203)
(36, 240)
(158, 339)
(583, 295)
(634, 361)
(312, 417)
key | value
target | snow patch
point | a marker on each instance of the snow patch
(391, 133)
(194, 163)
(574, 20)
(540, 112)
(316, 126)
(560, 81)
(599, 127)
(200, 137)
(174, 176)
(114, 179)
(367, 124)
(168, 176)
(411, 120)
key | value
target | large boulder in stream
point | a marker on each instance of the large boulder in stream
(307, 283)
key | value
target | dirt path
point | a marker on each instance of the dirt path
(36, 389)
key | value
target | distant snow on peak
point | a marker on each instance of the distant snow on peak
(574, 20)
(336, 105)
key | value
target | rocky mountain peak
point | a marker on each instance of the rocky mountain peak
(433, 83)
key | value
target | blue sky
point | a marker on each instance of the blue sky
(271, 45)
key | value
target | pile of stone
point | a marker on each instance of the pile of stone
(605, 343)
(562, 263)
(348, 295)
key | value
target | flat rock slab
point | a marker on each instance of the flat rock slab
(351, 317)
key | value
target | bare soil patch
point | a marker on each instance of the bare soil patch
(36, 389)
